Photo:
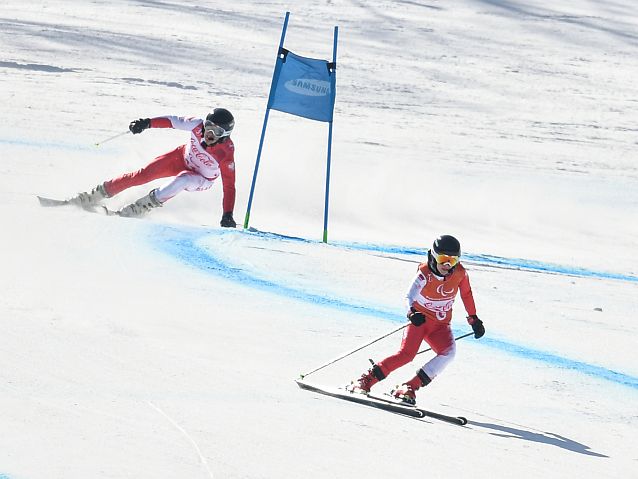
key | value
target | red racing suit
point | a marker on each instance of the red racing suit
(434, 296)
(195, 165)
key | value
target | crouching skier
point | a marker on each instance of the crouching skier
(429, 304)
(194, 166)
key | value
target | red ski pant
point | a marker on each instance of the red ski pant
(438, 336)
(164, 166)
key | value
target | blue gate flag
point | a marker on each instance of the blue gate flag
(303, 86)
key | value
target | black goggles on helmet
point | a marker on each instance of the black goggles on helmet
(217, 130)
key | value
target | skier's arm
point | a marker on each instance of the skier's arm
(468, 301)
(161, 122)
(227, 167)
(415, 288)
(175, 122)
(467, 296)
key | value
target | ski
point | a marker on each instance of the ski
(105, 211)
(100, 209)
(361, 399)
(385, 402)
(52, 202)
(460, 420)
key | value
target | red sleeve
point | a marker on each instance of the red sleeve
(466, 295)
(161, 122)
(227, 167)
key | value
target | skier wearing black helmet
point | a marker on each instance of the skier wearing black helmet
(429, 309)
(194, 166)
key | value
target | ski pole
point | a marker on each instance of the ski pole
(112, 137)
(455, 339)
(354, 351)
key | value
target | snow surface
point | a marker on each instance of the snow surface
(167, 347)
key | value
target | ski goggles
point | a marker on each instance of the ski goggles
(444, 258)
(217, 130)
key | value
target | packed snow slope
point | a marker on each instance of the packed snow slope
(167, 347)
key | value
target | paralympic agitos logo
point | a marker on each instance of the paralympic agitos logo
(308, 87)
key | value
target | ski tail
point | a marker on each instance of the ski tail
(52, 202)
(459, 420)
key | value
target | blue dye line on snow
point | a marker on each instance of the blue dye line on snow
(184, 247)
(563, 363)
(51, 145)
(480, 259)
(513, 263)
(182, 244)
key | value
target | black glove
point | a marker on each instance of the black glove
(227, 220)
(138, 126)
(477, 325)
(416, 317)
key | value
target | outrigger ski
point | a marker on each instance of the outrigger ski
(387, 403)
(101, 209)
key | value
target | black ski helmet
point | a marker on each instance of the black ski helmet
(444, 244)
(222, 117)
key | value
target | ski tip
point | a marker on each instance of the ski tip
(462, 420)
(303, 385)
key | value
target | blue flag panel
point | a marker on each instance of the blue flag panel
(303, 87)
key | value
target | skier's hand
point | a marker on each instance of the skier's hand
(227, 220)
(416, 317)
(477, 325)
(138, 126)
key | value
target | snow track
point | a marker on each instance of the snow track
(207, 249)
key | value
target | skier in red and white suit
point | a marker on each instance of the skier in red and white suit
(429, 304)
(194, 166)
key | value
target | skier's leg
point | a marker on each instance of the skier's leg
(442, 343)
(185, 180)
(412, 337)
(168, 164)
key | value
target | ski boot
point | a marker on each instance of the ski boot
(89, 200)
(407, 391)
(406, 394)
(367, 380)
(141, 206)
